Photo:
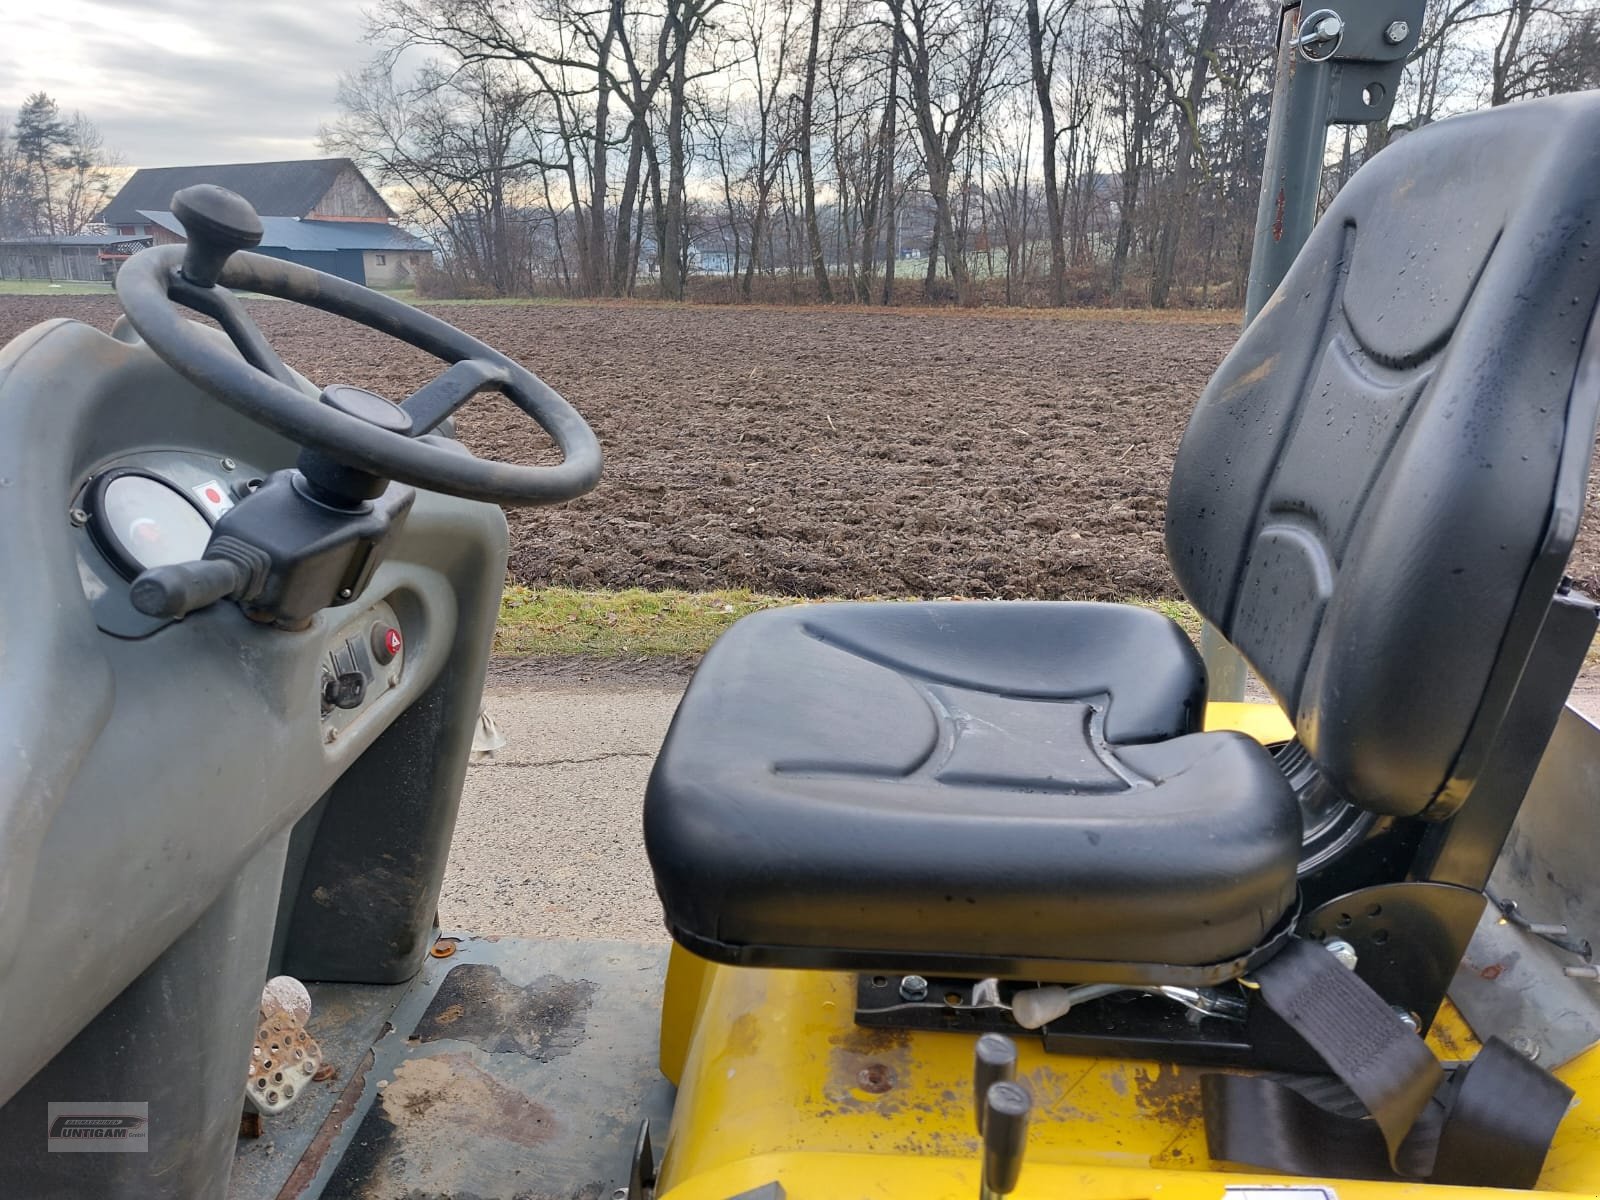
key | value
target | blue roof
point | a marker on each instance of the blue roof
(291, 233)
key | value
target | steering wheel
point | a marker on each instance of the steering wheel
(372, 439)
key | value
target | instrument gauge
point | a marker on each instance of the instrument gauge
(139, 520)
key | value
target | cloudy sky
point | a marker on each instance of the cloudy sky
(173, 82)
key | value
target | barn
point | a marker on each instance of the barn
(319, 212)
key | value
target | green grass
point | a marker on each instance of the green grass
(567, 622)
(60, 287)
(606, 624)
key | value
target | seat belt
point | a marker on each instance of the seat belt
(1389, 1110)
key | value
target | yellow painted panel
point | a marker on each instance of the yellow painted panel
(1264, 722)
(778, 1082)
(687, 977)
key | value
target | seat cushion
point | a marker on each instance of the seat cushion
(990, 788)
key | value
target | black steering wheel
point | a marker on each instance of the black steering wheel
(358, 430)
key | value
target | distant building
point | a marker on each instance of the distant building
(320, 212)
(85, 257)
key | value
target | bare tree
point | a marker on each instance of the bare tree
(952, 53)
(808, 186)
(1188, 103)
(1045, 31)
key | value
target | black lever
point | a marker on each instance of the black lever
(178, 589)
(1005, 1137)
(995, 1062)
(217, 222)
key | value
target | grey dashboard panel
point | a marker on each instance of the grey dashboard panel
(140, 771)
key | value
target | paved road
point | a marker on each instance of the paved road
(548, 842)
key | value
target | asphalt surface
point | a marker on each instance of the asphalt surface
(548, 842)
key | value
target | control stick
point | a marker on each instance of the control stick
(177, 589)
(995, 1062)
(1005, 1137)
(1002, 1112)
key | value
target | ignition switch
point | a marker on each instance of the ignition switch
(343, 684)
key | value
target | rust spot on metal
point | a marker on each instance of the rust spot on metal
(439, 1115)
(311, 1161)
(545, 1019)
(865, 1064)
(1492, 971)
(1277, 223)
(432, 1102)
(1170, 1095)
(249, 1123)
(1447, 1045)
(444, 947)
(325, 1072)
(860, 1039)
(875, 1078)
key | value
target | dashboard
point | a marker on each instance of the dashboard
(285, 792)
(157, 507)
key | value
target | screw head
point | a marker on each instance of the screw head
(345, 593)
(228, 464)
(1343, 951)
(1527, 1047)
(78, 517)
(1396, 32)
(913, 988)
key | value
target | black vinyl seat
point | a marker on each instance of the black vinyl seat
(1374, 500)
(878, 784)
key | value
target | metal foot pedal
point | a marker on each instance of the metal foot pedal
(285, 1056)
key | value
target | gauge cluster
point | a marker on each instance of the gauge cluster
(140, 520)
(144, 510)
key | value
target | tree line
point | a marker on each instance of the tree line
(1021, 151)
(55, 172)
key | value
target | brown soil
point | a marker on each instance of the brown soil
(822, 451)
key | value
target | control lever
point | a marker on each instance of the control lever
(177, 589)
(1002, 1114)
(1005, 1137)
(995, 1061)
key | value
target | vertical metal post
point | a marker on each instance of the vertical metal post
(1291, 178)
(1291, 175)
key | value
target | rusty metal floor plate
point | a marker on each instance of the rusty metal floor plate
(513, 1068)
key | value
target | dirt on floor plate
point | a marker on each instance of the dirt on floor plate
(819, 451)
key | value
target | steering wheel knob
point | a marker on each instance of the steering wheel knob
(217, 222)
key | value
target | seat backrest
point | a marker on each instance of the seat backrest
(1378, 492)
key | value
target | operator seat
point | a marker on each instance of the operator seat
(1374, 501)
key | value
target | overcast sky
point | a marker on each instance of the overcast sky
(175, 82)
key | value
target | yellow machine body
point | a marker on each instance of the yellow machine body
(776, 1083)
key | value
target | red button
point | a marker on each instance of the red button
(385, 641)
(213, 495)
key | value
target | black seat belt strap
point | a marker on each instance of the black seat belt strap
(1389, 1111)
